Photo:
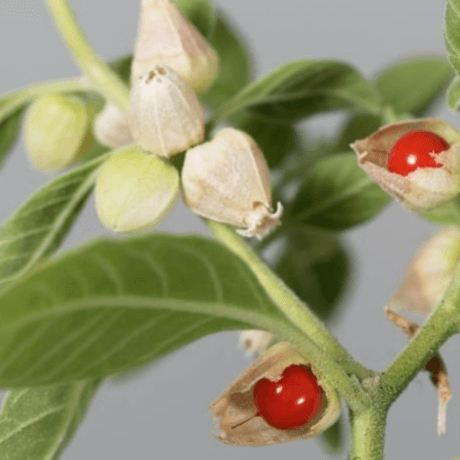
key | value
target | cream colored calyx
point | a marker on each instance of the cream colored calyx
(165, 36)
(165, 115)
(111, 127)
(228, 180)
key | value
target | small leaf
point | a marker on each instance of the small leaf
(38, 227)
(452, 33)
(412, 85)
(333, 437)
(37, 423)
(453, 94)
(274, 139)
(201, 13)
(234, 64)
(9, 130)
(316, 267)
(337, 194)
(304, 88)
(114, 305)
(122, 67)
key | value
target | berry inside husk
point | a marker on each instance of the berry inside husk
(412, 151)
(290, 402)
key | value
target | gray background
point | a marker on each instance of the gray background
(162, 412)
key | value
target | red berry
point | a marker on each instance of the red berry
(290, 402)
(412, 151)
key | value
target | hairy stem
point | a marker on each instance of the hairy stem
(98, 72)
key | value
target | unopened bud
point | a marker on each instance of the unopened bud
(426, 179)
(244, 412)
(228, 180)
(165, 116)
(255, 341)
(111, 127)
(58, 131)
(134, 191)
(165, 36)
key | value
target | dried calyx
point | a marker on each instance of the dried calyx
(111, 127)
(166, 37)
(165, 116)
(228, 180)
(280, 398)
(417, 162)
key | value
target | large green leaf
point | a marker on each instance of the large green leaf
(452, 33)
(316, 267)
(412, 85)
(37, 423)
(304, 88)
(453, 94)
(337, 194)
(200, 13)
(9, 130)
(38, 227)
(114, 305)
(234, 63)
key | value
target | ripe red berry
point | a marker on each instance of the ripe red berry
(290, 402)
(412, 151)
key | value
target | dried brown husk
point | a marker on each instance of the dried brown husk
(423, 188)
(236, 404)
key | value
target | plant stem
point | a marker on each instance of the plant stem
(287, 301)
(368, 434)
(98, 72)
(440, 325)
(14, 101)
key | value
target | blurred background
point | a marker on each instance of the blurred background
(162, 411)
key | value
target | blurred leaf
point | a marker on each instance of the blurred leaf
(412, 85)
(453, 94)
(37, 423)
(333, 437)
(447, 213)
(116, 304)
(234, 64)
(337, 194)
(122, 67)
(357, 127)
(274, 139)
(9, 131)
(304, 88)
(452, 33)
(201, 13)
(316, 267)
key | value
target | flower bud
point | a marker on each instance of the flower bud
(228, 180)
(58, 131)
(236, 407)
(429, 273)
(134, 191)
(111, 127)
(425, 187)
(165, 116)
(166, 37)
(255, 341)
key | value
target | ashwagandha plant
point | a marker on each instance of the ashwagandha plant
(182, 119)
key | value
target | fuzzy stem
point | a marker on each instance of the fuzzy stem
(97, 71)
(287, 301)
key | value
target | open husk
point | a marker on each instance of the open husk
(236, 403)
(423, 188)
(166, 37)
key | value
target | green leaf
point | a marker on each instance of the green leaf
(336, 195)
(122, 67)
(452, 33)
(453, 94)
(38, 227)
(114, 305)
(333, 437)
(200, 13)
(316, 267)
(304, 88)
(37, 423)
(234, 63)
(357, 127)
(274, 139)
(9, 130)
(412, 85)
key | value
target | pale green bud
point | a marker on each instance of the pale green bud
(134, 190)
(58, 131)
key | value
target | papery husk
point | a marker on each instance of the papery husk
(236, 404)
(227, 179)
(111, 127)
(429, 273)
(423, 188)
(166, 37)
